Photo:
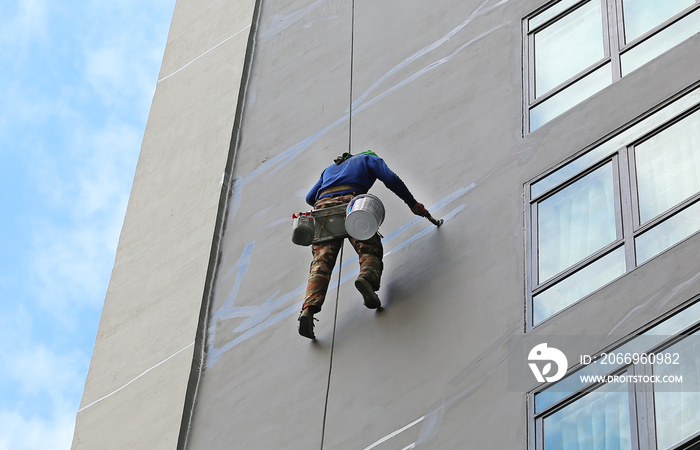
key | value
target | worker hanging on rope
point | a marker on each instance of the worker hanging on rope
(351, 175)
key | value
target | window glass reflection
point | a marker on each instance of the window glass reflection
(677, 415)
(550, 13)
(668, 233)
(578, 285)
(576, 222)
(568, 46)
(668, 167)
(660, 42)
(643, 15)
(599, 420)
(641, 344)
(614, 143)
(571, 96)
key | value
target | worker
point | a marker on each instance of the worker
(349, 176)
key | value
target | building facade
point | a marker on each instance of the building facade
(560, 142)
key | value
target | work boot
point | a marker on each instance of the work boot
(371, 299)
(306, 323)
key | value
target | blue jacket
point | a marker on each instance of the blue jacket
(360, 172)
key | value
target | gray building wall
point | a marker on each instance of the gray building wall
(198, 340)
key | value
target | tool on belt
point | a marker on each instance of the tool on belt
(319, 225)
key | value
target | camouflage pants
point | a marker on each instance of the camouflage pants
(370, 252)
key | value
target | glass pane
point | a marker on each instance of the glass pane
(570, 97)
(677, 323)
(661, 42)
(643, 15)
(568, 46)
(668, 233)
(576, 222)
(677, 416)
(572, 382)
(578, 285)
(668, 167)
(613, 144)
(597, 421)
(550, 12)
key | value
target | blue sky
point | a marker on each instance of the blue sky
(77, 80)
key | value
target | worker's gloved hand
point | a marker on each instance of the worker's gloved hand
(419, 210)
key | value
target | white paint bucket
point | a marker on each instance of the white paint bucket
(364, 215)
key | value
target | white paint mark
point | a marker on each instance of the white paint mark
(277, 163)
(259, 315)
(313, 22)
(280, 22)
(654, 300)
(396, 433)
(200, 56)
(428, 49)
(358, 107)
(144, 373)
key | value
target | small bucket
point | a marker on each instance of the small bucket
(302, 229)
(364, 215)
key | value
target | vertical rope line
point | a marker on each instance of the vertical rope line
(352, 70)
(330, 365)
(342, 245)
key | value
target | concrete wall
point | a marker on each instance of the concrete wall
(437, 92)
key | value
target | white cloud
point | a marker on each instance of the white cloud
(112, 74)
(32, 433)
(119, 65)
(72, 258)
(69, 270)
(40, 372)
(28, 23)
(79, 82)
(103, 166)
(47, 384)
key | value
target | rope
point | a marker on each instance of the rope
(330, 365)
(342, 245)
(352, 70)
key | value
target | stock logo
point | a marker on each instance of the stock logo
(542, 353)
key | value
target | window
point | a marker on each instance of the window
(598, 420)
(576, 48)
(634, 413)
(613, 208)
